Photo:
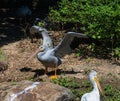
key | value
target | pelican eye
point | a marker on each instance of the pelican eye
(41, 47)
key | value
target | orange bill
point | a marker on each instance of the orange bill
(36, 52)
(98, 84)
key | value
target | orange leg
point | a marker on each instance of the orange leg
(55, 75)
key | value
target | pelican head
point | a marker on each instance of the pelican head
(35, 29)
(94, 79)
(42, 29)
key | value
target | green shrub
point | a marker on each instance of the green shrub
(117, 51)
(99, 19)
(111, 93)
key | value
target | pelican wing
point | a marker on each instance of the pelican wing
(64, 46)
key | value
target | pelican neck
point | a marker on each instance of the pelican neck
(95, 87)
(45, 34)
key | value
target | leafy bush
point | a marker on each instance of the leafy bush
(117, 51)
(99, 19)
(111, 93)
(62, 81)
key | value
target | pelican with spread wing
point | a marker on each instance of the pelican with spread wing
(50, 56)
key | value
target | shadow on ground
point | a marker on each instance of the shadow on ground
(40, 72)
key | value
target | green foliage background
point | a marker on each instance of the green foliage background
(99, 19)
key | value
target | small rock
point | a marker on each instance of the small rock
(3, 66)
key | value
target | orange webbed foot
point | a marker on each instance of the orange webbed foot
(53, 77)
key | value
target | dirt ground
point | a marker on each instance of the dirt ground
(19, 51)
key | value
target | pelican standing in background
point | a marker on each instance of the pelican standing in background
(49, 56)
(94, 95)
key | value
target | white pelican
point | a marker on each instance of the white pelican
(94, 95)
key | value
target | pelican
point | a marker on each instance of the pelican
(94, 95)
(50, 56)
